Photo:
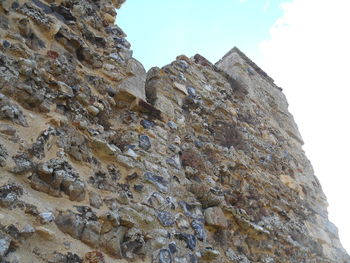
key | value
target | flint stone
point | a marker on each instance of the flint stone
(183, 64)
(111, 242)
(73, 258)
(199, 144)
(144, 142)
(9, 194)
(58, 175)
(23, 164)
(182, 223)
(125, 53)
(5, 242)
(12, 112)
(172, 248)
(27, 231)
(132, 176)
(47, 217)
(191, 91)
(174, 148)
(172, 162)
(164, 256)
(91, 233)
(95, 200)
(138, 187)
(3, 156)
(165, 218)
(71, 224)
(133, 243)
(147, 124)
(192, 210)
(69, 258)
(111, 92)
(192, 102)
(199, 230)
(6, 44)
(76, 191)
(215, 217)
(114, 29)
(159, 182)
(45, 172)
(186, 259)
(189, 239)
(172, 125)
(131, 153)
(8, 200)
(13, 232)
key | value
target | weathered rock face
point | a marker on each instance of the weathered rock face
(103, 162)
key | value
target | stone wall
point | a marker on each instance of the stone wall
(103, 162)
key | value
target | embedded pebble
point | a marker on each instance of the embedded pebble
(165, 218)
(144, 142)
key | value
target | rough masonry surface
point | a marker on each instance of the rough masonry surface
(102, 161)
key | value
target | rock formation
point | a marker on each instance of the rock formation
(103, 162)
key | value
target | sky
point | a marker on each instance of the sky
(304, 45)
(160, 30)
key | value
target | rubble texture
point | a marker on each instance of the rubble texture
(103, 162)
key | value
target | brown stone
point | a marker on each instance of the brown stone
(215, 217)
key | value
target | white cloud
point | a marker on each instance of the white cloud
(266, 5)
(308, 54)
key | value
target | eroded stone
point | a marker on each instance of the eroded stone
(215, 217)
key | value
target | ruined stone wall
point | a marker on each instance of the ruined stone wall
(103, 162)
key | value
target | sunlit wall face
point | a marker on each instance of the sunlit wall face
(302, 44)
(307, 53)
